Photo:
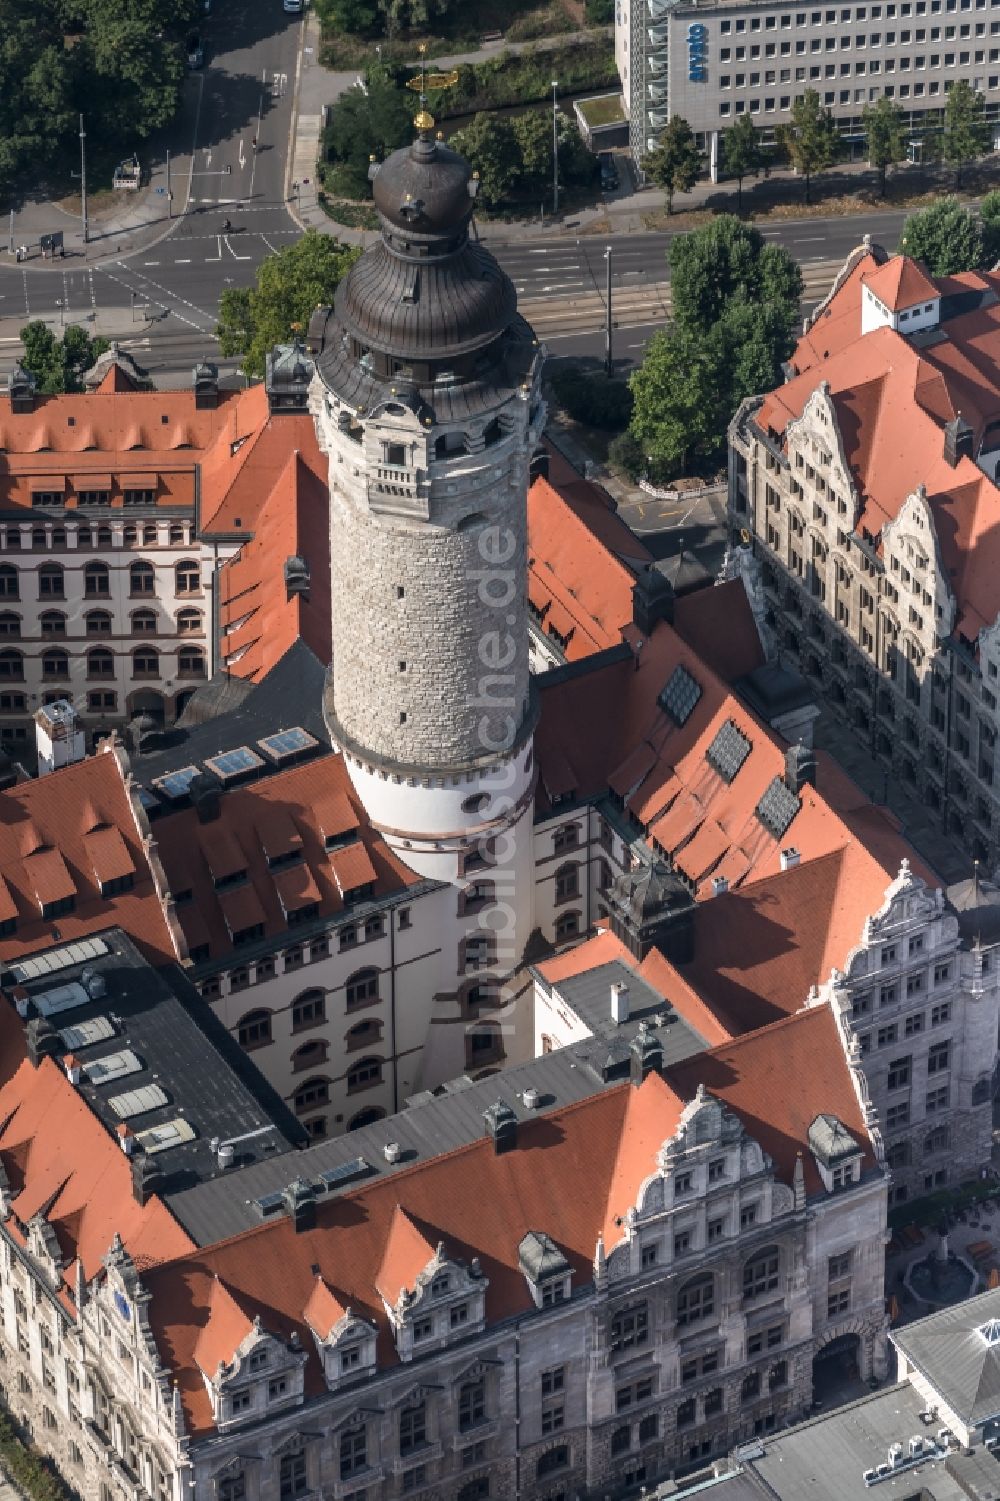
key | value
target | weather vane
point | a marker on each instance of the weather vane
(424, 81)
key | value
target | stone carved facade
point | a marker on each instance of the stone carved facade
(872, 620)
(698, 1331)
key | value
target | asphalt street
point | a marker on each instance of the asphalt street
(162, 300)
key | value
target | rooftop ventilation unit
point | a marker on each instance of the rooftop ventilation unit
(531, 1098)
(391, 1151)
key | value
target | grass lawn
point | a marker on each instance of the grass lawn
(462, 30)
(605, 111)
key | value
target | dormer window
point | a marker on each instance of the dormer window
(836, 1152)
(441, 1284)
(545, 1268)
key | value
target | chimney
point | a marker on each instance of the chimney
(72, 1066)
(300, 1201)
(126, 1138)
(501, 1127)
(800, 767)
(720, 885)
(206, 386)
(619, 1003)
(539, 466)
(42, 1040)
(789, 858)
(958, 441)
(296, 577)
(391, 1151)
(645, 1054)
(206, 796)
(147, 1179)
(652, 600)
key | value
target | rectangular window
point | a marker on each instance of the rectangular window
(838, 1302)
(937, 1099)
(899, 1073)
(941, 1014)
(939, 1057)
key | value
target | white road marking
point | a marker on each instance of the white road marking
(150, 263)
(218, 241)
(232, 252)
(185, 262)
(812, 240)
(267, 241)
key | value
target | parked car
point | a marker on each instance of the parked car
(195, 51)
(292, 6)
(609, 172)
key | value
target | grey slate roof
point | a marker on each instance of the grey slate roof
(949, 1350)
(181, 1046)
(589, 995)
(291, 694)
(432, 1123)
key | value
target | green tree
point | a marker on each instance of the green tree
(728, 262)
(59, 365)
(675, 396)
(946, 236)
(989, 215)
(886, 131)
(675, 163)
(741, 153)
(533, 136)
(967, 133)
(290, 284)
(489, 143)
(810, 138)
(357, 17)
(366, 125)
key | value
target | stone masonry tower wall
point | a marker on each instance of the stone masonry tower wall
(427, 402)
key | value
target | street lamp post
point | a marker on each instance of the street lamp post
(83, 180)
(609, 360)
(555, 147)
(169, 204)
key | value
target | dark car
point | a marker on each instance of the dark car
(609, 172)
(195, 51)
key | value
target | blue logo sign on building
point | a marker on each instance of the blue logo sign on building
(697, 40)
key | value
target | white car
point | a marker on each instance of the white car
(292, 6)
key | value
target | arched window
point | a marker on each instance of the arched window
(55, 665)
(149, 533)
(310, 1055)
(38, 536)
(362, 988)
(100, 662)
(308, 1009)
(145, 662)
(567, 926)
(144, 622)
(310, 1094)
(104, 536)
(567, 887)
(567, 837)
(254, 1029)
(696, 1300)
(142, 578)
(176, 533)
(366, 1117)
(52, 622)
(762, 1272)
(188, 577)
(191, 662)
(98, 622)
(96, 581)
(364, 1034)
(51, 583)
(475, 803)
(11, 666)
(8, 582)
(364, 1074)
(10, 623)
(130, 534)
(83, 536)
(189, 622)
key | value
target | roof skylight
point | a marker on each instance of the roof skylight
(680, 695)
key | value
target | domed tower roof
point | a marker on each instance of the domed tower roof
(427, 301)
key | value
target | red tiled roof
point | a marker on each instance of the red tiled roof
(323, 1309)
(582, 586)
(573, 1174)
(901, 282)
(718, 624)
(892, 400)
(302, 795)
(224, 1331)
(47, 850)
(60, 1160)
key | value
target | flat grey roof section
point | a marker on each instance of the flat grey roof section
(589, 995)
(432, 1123)
(957, 1357)
(825, 1459)
(181, 1046)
